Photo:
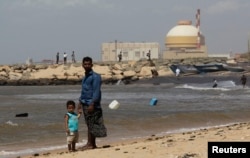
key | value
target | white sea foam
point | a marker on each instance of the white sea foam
(29, 151)
(7, 154)
(11, 123)
(181, 130)
(222, 86)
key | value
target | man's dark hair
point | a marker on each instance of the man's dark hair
(70, 102)
(87, 59)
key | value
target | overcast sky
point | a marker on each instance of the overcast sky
(40, 28)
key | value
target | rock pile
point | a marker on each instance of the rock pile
(111, 72)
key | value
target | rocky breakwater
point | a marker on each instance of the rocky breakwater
(111, 72)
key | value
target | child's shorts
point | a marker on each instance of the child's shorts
(72, 137)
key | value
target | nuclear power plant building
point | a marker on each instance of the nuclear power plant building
(184, 41)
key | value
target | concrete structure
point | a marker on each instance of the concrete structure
(228, 56)
(185, 41)
(129, 50)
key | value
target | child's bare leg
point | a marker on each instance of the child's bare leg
(73, 146)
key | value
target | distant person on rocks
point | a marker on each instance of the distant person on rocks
(65, 58)
(243, 80)
(215, 83)
(120, 57)
(57, 57)
(73, 57)
(71, 125)
(149, 55)
(154, 73)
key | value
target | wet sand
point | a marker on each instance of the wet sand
(180, 145)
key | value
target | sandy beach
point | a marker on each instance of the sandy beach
(179, 145)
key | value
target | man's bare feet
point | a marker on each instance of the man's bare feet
(87, 147)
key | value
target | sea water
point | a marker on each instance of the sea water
(180, 107)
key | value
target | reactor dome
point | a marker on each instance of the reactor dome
(184, 35)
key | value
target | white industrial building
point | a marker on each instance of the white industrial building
(129, 50)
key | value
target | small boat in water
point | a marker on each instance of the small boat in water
(234, 68)
(203, 68)
(184, 69)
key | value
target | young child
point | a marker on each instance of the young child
(71, 125)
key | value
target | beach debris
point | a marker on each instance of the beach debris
(106, 146)
(46, 154)
(170, 140)
(149, 139)
(22, 115)
(36, 154)
(153, 101)
(114, 105)
(187, 155)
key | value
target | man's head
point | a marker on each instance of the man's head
(87, 64)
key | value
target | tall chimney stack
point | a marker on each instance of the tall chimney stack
(198, 27)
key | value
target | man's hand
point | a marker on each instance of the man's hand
(91, 108)
(79, 108)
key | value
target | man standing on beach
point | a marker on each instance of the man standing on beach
(90, 104)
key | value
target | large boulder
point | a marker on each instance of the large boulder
(3, 74)
(146, 71)
(103, 70)
(5, 68)
(117, 72)
(117, 67)
(15, 76)
(129, 73)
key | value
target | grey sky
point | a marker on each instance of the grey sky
(40, 28)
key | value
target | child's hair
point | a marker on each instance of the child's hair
(70, 102)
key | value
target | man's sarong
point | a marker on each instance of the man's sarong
(95, 122)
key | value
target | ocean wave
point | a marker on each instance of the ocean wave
(222, 86)
(8, 154)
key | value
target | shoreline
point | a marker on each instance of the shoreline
(190, 143)
(128, 72)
